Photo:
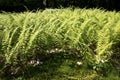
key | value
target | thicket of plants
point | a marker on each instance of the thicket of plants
(93, 34)
(20, 5)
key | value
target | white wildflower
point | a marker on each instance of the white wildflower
(52, 51)
(38, 63)
(32, 61)
(79, 63)
(104, 61)
(56, 49)
(94, 67)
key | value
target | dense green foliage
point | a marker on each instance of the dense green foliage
(92, 34)
(20, 5)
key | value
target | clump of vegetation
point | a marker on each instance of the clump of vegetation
(29, 37)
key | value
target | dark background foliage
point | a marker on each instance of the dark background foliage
(21, 5)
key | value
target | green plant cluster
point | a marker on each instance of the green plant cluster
(20, 5)
(93, 34)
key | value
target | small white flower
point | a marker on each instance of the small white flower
(32, 61)
(79, 63)
(94, 67)
(52, 51)
(37, 62)
(56, 49)
(104, 61)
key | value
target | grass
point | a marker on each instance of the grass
(64, 36)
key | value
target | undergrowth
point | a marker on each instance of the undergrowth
(92, 34)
